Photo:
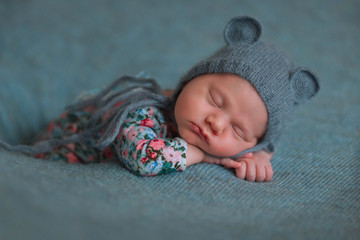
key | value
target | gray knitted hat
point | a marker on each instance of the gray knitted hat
(281, 86)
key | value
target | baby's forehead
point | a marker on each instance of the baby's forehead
(235, 85)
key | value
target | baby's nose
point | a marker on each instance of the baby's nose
(217, 123)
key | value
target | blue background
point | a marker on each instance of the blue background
(50, 51)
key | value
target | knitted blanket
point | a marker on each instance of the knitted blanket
(52, 50)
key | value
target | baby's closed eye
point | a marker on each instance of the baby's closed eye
(238, 131)
(216, 99)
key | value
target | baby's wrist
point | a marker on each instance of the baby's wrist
(194, 155)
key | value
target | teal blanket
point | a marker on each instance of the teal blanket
(50, 51)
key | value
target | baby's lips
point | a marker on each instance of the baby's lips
(199, 132)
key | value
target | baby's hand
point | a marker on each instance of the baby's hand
(255, 167)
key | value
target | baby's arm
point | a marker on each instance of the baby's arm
(143, 148)
(194, 155)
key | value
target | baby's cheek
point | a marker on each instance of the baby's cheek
(227, 148)
(182, 133)
(222, 150)
(186, 134)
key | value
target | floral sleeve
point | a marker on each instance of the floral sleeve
(143, 148)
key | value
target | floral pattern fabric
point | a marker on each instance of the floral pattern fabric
(143, 148)
(145, 143)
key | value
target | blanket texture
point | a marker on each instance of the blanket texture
(52, 50)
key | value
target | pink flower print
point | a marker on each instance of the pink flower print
(89, 108)
(150, 174)
(72, 158)
(119, 103)
(126, 131)
(151, 154)
(50, 127)
(63, 115)
(141, 144)
(105, 116)
(71, 146)
(130, 134)
(143, 160)
(40, 155)
(72, 128)
(126, 153)
(171, 155)
(147, 123)
(108, 153)
(150, 112)
(157, 144)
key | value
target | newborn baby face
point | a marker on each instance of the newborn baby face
(222, 114)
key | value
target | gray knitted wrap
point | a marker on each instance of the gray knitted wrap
(281, 86)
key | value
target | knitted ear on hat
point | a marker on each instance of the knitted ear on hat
(304, 85)
(242, 30)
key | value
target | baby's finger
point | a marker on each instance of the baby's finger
(269, 173)
(247, 155)
(211, 160)
(250, 171)
(241, 171)
(260, 173)
(229, 163)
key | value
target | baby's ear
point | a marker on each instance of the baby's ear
(240, 30)
(304, 85)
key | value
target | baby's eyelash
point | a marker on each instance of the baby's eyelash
(217, 104)
(213, 101)
(238, 132)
